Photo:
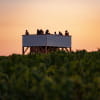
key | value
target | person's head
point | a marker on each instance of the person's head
(66, 31)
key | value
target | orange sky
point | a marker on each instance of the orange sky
(80, 17)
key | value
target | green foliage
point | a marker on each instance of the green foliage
(54, 76)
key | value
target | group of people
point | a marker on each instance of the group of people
(41, 32)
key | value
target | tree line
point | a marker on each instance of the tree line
(54, 76)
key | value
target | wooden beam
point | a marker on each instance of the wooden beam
(66, 49)
(26, 49)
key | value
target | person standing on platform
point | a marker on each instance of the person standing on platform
(26, 32)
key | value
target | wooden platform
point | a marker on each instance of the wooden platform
(45, 43)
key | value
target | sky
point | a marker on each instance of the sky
(80, 17)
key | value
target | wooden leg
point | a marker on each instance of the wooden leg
(66, 49)
(62, 49)
(22, 50)
(46, 50)
(30, 50)
(70, 49)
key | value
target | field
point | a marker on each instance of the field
(55, 76)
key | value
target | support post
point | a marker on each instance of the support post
(46, 50)
(66, 49)
(22, 50)
(70, 49)
(62, 49)
(30, 50)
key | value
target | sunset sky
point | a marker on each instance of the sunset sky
(80, 17)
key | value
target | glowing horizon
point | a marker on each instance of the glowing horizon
(80, 17)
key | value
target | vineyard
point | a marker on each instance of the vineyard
(53, 76)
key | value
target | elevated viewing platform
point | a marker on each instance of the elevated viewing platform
(44, 43)
(47, 40)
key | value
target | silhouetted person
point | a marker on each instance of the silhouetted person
(38, 31)
(47, 32)
(60, 33)
(41, 32)
(55, 33)
(26, 32)
(66, 33)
